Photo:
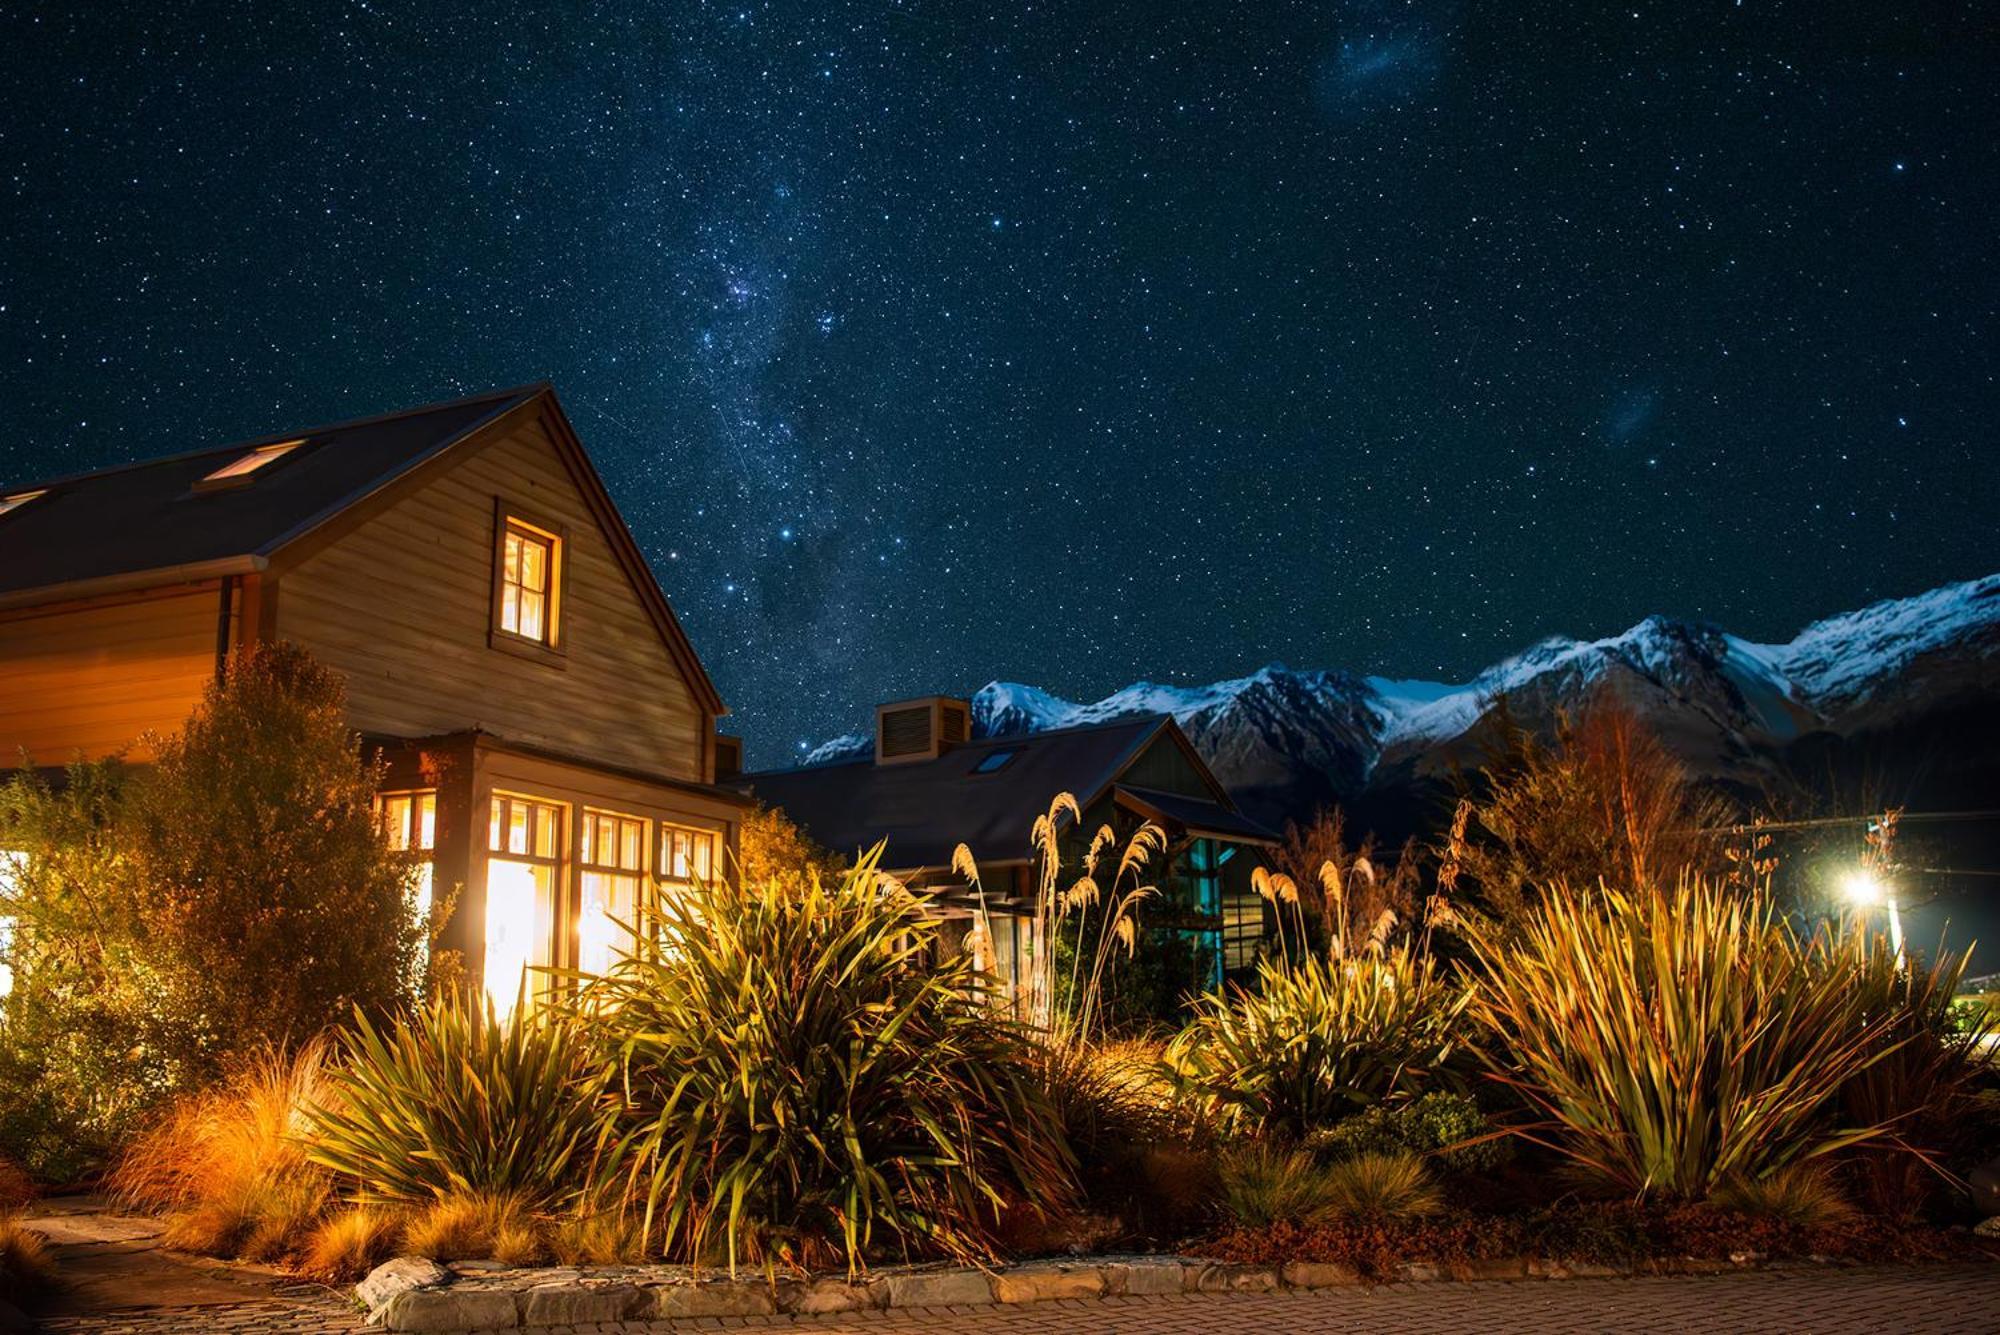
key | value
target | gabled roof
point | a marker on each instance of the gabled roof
(147, 523)
(925, 809)
(147, 516)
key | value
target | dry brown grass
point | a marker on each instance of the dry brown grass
(604, 1239)
(16, 1187)
(26, 1267)
(347, 1245)
(226, 1167)
(475, 1227)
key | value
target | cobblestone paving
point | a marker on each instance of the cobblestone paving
(1825, 1302)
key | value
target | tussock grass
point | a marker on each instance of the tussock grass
(1264, 1185)
(227, 1165)
(1802, 1194)
(474, 1226)
(27, 1269)
(347, 1245)
(613, 1238)
(1384, 1186)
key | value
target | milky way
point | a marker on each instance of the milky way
(925, 343)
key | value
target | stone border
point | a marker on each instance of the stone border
(420, 1296)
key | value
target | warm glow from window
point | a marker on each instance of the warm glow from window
(524, 841)
(247, 464)
(12, 864)
(613, 864)
(686, 854)
(409, 823)
(528, 558)
(17, 500)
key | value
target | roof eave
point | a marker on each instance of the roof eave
(132, 581)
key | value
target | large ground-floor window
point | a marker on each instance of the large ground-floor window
(409, 823)
(612, 866)
(523, 875)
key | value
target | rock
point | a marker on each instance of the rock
(721, 1298)
(1417, 1272)
(1234, 1279)
(829, 1295)
(1501, 1267)
(1144, 1276)
(435, 1311)
(478, 1267)
(573, 1305)
(1039, 1283)
(938, 1288)
(1988, 1228)
(390, 1278)
(1319, 1274)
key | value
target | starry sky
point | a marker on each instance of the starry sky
(925, 343)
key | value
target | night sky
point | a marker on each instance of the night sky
(927, 343)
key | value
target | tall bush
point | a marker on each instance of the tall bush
(272, 905)
(800, 1083)
(1677, 1038)
(1315, 1042)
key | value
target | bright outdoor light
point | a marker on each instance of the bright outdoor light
(1861, 886)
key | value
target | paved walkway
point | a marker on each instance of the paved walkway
(123, 1283)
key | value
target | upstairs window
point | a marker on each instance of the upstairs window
(237, 472)
(527, 582)
(8, 504)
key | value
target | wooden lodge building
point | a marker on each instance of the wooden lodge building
(549, 731)
(927, 786)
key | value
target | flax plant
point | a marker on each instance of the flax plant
(1677, 1039)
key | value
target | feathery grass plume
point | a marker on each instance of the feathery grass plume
(349, 1243)
(1677, 1039)
(1383, 1186)
(27, 1267)
(1312, 1044)
(456, 1101)
(227, 1166)
(804, 1081)
(1801, 1194)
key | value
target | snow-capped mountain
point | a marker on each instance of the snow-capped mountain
(1732, 709)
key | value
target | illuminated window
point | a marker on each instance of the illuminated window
(409, 822)
(530, 560)
(686, 854)
(1242, 930)
(523, 867)
(12, 864)
(237, 471)
(17, 500)
(612, 863)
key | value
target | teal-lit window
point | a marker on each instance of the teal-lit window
(994, 761)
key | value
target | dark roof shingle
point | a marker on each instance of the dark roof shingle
(148, 516)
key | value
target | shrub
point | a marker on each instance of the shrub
(1318, 1041)
(1801, 1194)
(1265, 1184)
(350, 1243)
(16, 1187)
(1388, 1186)
(226, 1165)
(799, 1085)
(1448, 1128)
(474, 1226)
(27, 1270)
(1107, 1098)
(1676, 1039)
(1924, 1089)
(272, 905)
(454, 1101)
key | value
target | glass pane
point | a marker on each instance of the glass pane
(545, 831)
(530, 615)
(534, 565)
(629, 856)
(493, 825)
(520, 912)
(510, 562)
(510, 609)
(610, 904)
(427, 821)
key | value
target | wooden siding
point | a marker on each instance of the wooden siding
(91, 677)
(402, 605)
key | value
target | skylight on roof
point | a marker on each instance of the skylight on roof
(995, 760)
(8, 504)
(238, 470)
